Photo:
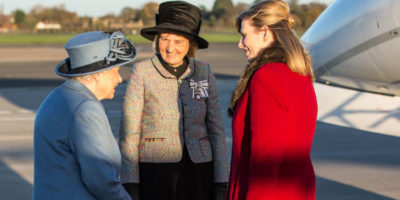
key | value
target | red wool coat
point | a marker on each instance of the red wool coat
(272, 129)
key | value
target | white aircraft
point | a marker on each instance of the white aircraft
(355, 49)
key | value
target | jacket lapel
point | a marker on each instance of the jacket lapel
(157, 64)
(163, 72)
(189, 71)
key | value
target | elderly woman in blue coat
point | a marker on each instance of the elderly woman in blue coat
(172, 138)
(75, 153)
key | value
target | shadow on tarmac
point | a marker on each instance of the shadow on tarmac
(346, 192)
(12, 185)
(28, 82)
(348, 145)
(363, 158)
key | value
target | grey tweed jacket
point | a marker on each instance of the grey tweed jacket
(160, 113)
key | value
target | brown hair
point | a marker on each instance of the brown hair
(192, 45)
(275, 14)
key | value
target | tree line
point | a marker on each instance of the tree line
(221, 18)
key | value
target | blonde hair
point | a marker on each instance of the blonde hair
(275, 14)
(192, 45)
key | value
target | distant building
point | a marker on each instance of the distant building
(47, 26)
(7, 24)
(5, 28)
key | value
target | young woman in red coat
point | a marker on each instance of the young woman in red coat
(274, 109)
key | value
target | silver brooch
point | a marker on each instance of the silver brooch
(199, 89)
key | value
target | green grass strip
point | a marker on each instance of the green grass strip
(10, 39)
(34, 39)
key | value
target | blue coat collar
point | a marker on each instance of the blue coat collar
(75, 85)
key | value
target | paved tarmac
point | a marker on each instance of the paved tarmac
(349, 163)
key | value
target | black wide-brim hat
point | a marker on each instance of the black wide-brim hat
(177, 17)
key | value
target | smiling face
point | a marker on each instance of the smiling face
(173, 48)
(254, 40)
(109, 80)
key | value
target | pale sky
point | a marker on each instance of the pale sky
(96, 8)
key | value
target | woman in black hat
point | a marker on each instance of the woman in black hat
(172, 138)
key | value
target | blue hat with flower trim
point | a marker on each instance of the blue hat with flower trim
(96, 51)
